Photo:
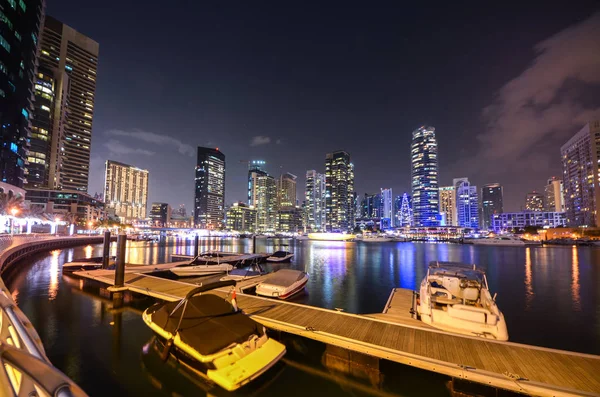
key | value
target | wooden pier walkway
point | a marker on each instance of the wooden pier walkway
(394, 335)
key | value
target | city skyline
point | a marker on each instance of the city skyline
(319, 128)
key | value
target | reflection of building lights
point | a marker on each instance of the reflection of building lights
(88, 251)
(53, 287)
(575, 295)
(528, 283)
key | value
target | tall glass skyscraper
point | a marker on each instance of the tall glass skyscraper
(387, 205)
(339, 197)
(467, 212)
(209, 197)
(491, 204)
(424, 175)
(315, 201)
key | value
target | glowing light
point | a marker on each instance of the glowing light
(575, 295)
(54, 269)
(88, 251)
(528, 285)
(331, 236)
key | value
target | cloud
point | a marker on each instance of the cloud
(278, 142)
(118, 148)
(543, 106)
(157, 139)
(260, 140)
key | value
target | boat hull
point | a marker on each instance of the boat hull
(287, 258)
(274, 291)
(201, 270)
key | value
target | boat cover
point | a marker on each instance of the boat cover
(280, 254)
(284, 277)
(209, 324)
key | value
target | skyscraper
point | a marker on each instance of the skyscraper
(448, 206)
(160, 214)
(125, 190)
(69, 59)
(555, 200)
(209, 196)
(467, 211)
(406, 213)
(264, 199)
(339, 196)
(424, 177)
(491, 203)
(372, 206)
(387, 213)
(534, 202)
(581, 180)
(19, 29)
(315, 201)
(286, 190)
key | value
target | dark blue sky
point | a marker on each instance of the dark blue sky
(314, 78)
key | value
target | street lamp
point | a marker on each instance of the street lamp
(14, 211)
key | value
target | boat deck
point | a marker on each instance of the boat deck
(396, 336)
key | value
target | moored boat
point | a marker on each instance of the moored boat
(213, 337)
(331, 236)
(282, 284)
(280, 256)
(375, 238)
(455, 297)
(506, 241)
(81, 264)
(201, 266)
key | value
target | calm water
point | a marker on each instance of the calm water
(550, 297)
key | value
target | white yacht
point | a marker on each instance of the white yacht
(508, 241)
(374, 238)
(282, 284)
(455, 297)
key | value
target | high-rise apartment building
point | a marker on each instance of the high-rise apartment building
(387, 205)
(467, 204)
(241, 218)
(581, 180)
(209, 194)
(160, 214)
(371, 206)
(555, 199)
(125, 190)
(70, 60)
(262, 195)
(286, 190)
(491, 203)
(424, 177)
(534, 201)
(315, 201)
(447, 206)
(339, 196)
(19, 30)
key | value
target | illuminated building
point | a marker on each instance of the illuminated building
(555, 201)
(371, 206)
(534, 202)
(387, 205)
(19, 29)
(510, 220)
(406, 213)
(262, 195)
(581, 180)
(491, 203)
(447, 206)
(125, 190)
(467, 204)
(241, 218)
(315, 201)
(424, 177)
(73, 59)
(339, 192)
(160, 214)
(289, 219)
(62, 202)
(286, 190)
(209, 195)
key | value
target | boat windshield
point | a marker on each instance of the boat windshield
(456, 269)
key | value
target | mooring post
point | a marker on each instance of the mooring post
(120, 270)
(196, 247)
(106, 251)
(254, 243)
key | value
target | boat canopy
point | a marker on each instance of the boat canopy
(284, 277)
(209, 323)
(280, 254)
(456, 269)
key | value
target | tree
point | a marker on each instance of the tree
(9, 201)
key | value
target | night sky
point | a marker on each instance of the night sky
(504, 88)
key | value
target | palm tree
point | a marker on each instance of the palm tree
(9, 200)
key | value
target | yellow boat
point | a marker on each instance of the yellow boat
(214, 337)
(331, 236)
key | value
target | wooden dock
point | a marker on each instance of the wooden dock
(394, 335)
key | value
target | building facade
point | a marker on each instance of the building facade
(262, 196)
(424, 177)
(510, 220)
(289, 219)
(371, 206)
(160, 214)
(71, 59)
(467, 203)
(387, 206)
(447, 206)
(534, 201)
(315, 201)
(286, 190)
(19, 32)
(491, 203)
(125, 190)
(61, 202)
(339, 192)
(555, 199)
(581, 183)
(241, 218)
(209, 193)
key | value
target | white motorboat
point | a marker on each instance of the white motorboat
(201, 267)
(244, 274)
(81, 264)
(331, 236)
(455, 297)
(507, 241)
(375, 238)
(282, 284)
(280, 256)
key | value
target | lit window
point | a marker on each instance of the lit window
(22, 5)
(4, 44)
(12, 3)
(17, 35)
(46, 108)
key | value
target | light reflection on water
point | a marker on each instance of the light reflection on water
(550, 296)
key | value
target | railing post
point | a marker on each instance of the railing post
(196, 247)
(106, 251)
(120, 270)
